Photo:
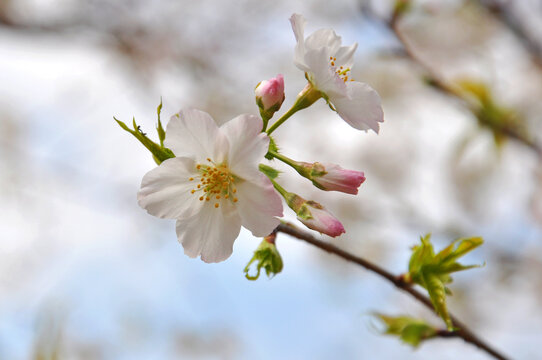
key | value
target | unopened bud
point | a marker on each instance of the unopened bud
(315, 216)
(269, 96)
(332, 177)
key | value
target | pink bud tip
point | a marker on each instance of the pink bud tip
(271, 92)
(322, 220)
(338, 179)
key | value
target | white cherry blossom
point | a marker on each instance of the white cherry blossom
(327, 65)
(213, 185)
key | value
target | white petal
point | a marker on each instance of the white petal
(193, 133)
(165, 190)
(258, 205)
(323, 38)
(361, 108)
(298, 26)
(345, 56)
(210, 233)
(322, 74)
(247, 145)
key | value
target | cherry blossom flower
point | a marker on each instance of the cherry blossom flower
(327, 66)
(213, 185)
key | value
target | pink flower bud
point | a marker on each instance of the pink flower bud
(335, 178)
(316, 217)
(270, 93)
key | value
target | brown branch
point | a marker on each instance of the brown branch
(462, 332)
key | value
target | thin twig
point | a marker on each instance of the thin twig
(462, 332)
(502, 11)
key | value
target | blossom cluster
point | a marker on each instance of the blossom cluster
(211, 179)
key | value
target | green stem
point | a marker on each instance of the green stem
(282, 119)
(284, 159)
(285, 194)
(306, 98)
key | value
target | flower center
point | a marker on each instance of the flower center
(341, 71)
(216, 182)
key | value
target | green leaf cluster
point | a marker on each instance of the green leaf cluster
(432, 271)
(159, 151)
(267, 257)
(411, 331)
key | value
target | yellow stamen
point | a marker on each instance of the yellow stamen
(216, 205)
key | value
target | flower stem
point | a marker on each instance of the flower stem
(306, 98)
(282, 119)
(284, 159)
(285, 194)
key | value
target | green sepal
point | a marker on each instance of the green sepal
(432, 271)
(304, 212)
(159, 153)
(410, 330)
(267, 257)
(267, 114)
(270, 172)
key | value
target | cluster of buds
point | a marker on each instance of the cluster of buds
(325, 176)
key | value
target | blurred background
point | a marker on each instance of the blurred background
(87, 274)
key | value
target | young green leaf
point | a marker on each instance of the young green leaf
(267, 257)
(411, 331)
(437, 293)
(432, 271)
(159, 153)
